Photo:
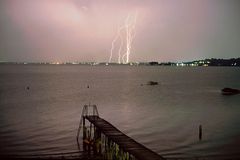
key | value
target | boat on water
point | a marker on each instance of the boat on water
(230, 91)
(152, 83)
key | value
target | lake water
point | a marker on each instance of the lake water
(165, 117)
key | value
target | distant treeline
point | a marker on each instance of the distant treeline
(205, 62)
(224, 62)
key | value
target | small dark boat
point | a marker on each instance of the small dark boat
(230, 91)
(152, 83)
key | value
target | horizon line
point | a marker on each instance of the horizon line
(82, 62)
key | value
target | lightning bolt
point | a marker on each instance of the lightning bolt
(113, 42)
(129, 27)
(120, 49)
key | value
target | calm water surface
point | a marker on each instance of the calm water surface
(165, 118)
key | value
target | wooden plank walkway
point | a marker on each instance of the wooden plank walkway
(126, 143)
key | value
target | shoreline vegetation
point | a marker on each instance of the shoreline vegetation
(233, 62)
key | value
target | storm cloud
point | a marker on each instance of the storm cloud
(82, 30)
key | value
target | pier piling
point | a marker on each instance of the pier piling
(200, 132)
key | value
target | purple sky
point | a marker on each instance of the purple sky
(82, 30)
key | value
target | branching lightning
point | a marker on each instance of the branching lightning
(127, 30)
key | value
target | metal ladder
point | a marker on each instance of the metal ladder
(88, 110)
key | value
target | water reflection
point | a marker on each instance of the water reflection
(166, 117)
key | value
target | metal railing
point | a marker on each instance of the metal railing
(88, 110)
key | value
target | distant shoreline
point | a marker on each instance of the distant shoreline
(233, 62)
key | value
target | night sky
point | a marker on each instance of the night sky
(82, 30)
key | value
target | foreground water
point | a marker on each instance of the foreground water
(165, 118)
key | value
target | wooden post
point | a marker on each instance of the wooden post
(84, 129)
(200, 132)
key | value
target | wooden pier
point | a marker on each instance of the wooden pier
(101, 137)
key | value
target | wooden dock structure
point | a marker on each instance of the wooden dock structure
(101, 137)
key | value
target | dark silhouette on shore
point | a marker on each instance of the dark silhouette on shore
(233, 62)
